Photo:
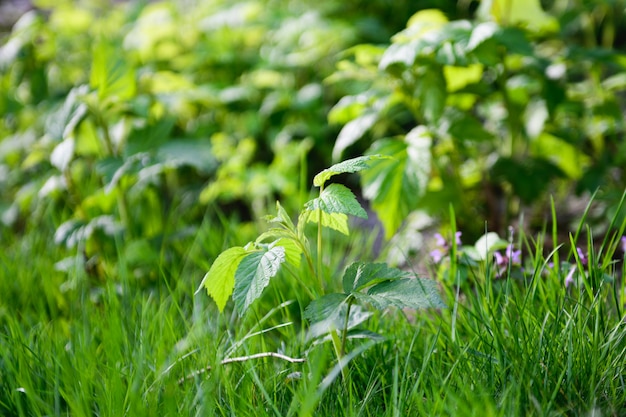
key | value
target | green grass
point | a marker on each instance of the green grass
(504, 347)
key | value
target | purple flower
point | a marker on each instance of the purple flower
(623, 243)
(510, 256)
(437, 255)
(443, 247)
(582, 256)
(441, 242)
(569, 279)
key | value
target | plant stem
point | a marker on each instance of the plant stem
(320, 264)
(344, 332)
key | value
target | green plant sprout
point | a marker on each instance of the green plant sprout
(244, 272)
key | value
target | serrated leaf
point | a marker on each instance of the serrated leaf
(220, 280)
(396, 184)
(282, 218)
(327, 307)
(348, 166)
(293, 251)
(337, 198)
(254, 273)
(360, 275)
(416, 293)
(335, 221)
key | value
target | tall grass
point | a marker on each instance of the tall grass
(515, 345)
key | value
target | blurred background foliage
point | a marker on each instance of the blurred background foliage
(126, 125)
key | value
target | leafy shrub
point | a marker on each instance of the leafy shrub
(492, 116)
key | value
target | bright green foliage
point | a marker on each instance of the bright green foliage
(348, 166)
(254, 273)
(220, 280)
(508, 104)
(336, 198)
(335, 221)
(249, 270)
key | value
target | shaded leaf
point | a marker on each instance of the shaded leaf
(328, 313)
(360, 275)
(192, 152)
(254, 273)
(337, 198)
(327, 307)
(432, 93)
(416, 293)
(220, 280)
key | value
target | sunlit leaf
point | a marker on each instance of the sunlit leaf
(293, 251)
(254, 273)
(337, 198)
(62, 154)
(526, 13)
(486, 244)
(350, 165)
(335, 221)
(111, 74)
(220, 280)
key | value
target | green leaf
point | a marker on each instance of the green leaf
(293, 251)
(328, 313)
(353, 131)
(416, 293)
(488, 243)
(360, 275)
(335, 221)
(432, 92)
(337, 198)
(282, 218)
(327, 307)
(350, 165)
(188, 152)
(396, 184)
(111, 74)
(220, 280)
(526, 13)
(254, 273)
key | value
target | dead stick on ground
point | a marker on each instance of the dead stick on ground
(243, 359)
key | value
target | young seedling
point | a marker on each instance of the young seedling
(244, 272)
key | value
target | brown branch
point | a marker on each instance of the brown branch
(242, 359)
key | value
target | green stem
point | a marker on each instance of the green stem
(344, 332)
(320, 264)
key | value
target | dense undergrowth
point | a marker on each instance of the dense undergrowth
(141, 140)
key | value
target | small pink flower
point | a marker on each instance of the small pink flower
(569, 279)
